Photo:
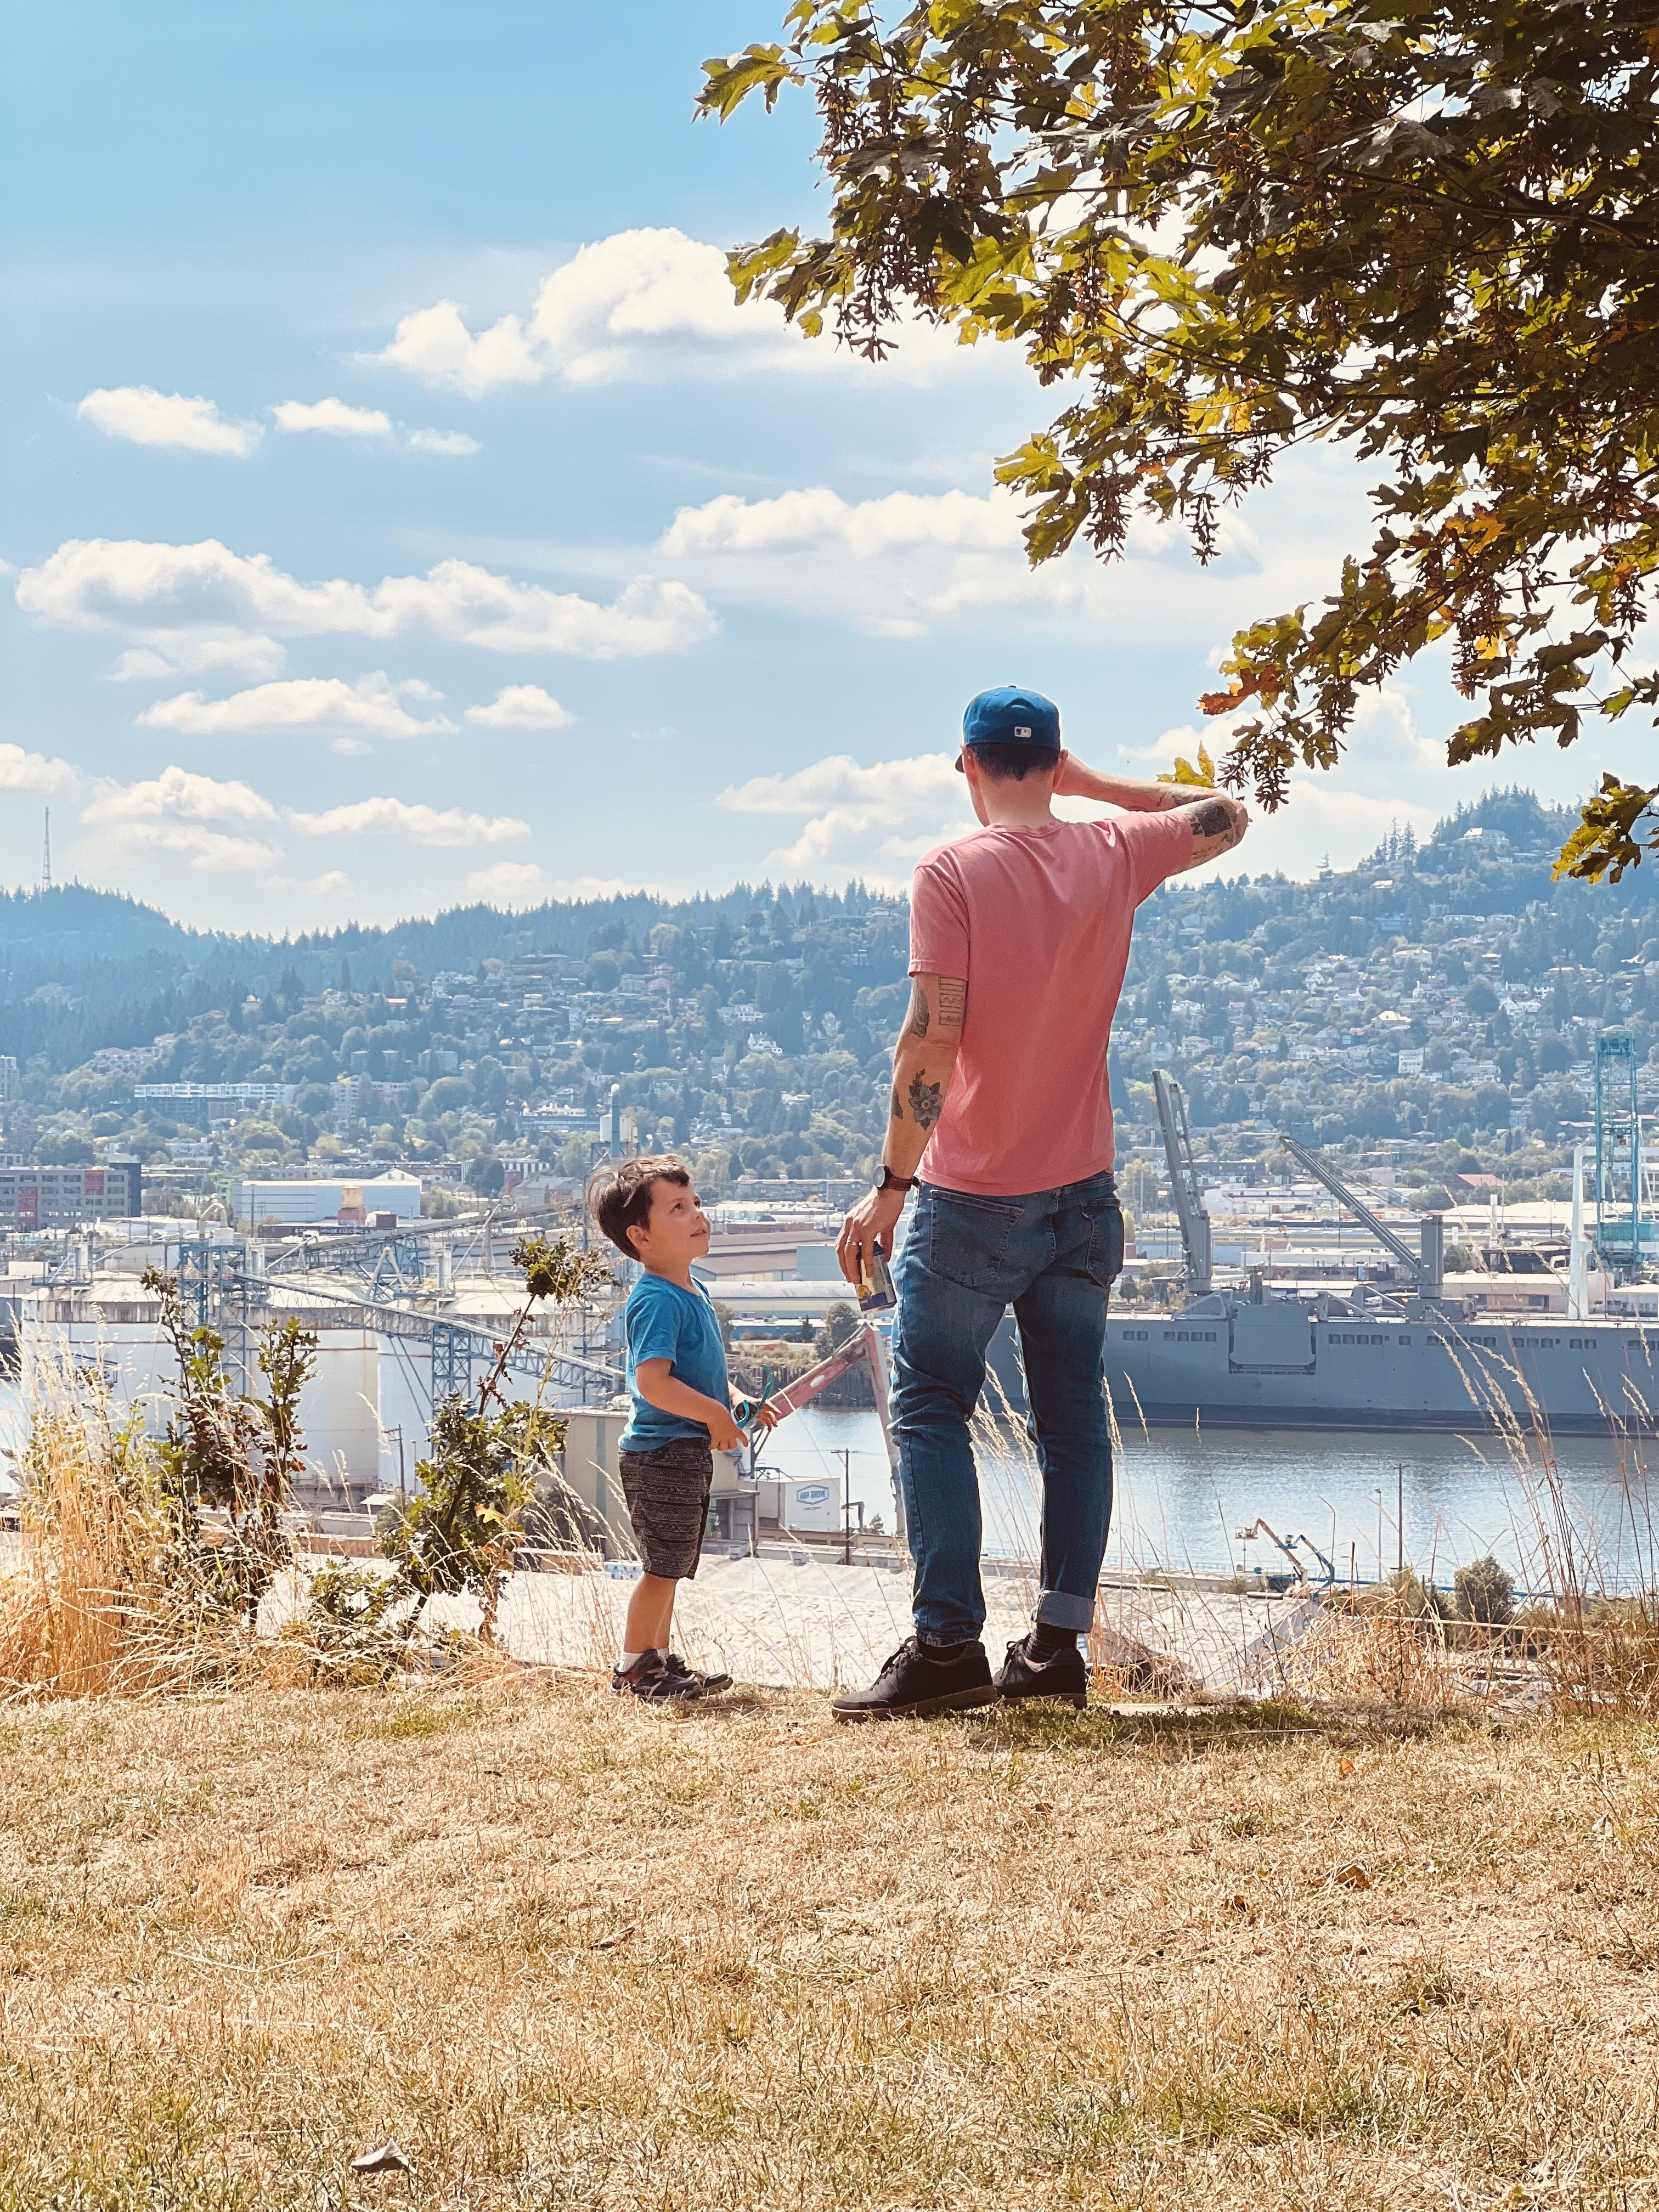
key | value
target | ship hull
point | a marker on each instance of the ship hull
(1256, 1367)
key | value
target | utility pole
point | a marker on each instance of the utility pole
(1399, 1515)
(45, 855)
(846, 1508)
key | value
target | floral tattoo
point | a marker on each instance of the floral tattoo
(925, 1099)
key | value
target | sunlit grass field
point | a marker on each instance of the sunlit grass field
(571, 1952)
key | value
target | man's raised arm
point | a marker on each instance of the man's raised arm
(1217, 821)
(923, 1060)
(1135, 795)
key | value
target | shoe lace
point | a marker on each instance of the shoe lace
(906, 1651)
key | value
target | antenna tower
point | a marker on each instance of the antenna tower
(45, 855)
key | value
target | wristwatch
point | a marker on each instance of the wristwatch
(888, 1181)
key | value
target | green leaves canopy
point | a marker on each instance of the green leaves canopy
(1428, 231)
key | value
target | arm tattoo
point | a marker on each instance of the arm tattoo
(899, 1110)
(925, 1101)
(952, 1002)
(1212, 818)
(917, 1024)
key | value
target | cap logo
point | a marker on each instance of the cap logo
(1022, 730)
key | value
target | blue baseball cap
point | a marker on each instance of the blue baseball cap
(1011, 715)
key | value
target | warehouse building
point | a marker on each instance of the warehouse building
(61, 1197)
(301, 1202)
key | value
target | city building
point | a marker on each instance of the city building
(376, 1202)
(60, 1198)
(206, 1104)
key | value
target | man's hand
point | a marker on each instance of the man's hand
(870, 1223)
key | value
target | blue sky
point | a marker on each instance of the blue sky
(400, 511)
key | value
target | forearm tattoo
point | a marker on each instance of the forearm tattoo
(898, 1108)
(916, 1024)
(925, 1099)
(1212, 818)
(952, 1002)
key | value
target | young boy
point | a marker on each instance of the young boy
(682, 1409)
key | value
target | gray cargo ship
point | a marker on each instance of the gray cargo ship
(1307, 1363)
(1375, 1358)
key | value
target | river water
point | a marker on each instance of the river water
(1183, 1495)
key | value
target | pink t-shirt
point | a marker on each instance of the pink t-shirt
(1037, 921)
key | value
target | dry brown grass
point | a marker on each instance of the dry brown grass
(571, 1952)
(91, 1606)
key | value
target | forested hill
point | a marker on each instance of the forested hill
(1446, 990)
(81, 968)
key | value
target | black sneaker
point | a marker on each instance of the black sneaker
(708, 1684)
(650, 1679)
(1064, 1680)
(915, 1682)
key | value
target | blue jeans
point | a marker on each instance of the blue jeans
(1052, 1257)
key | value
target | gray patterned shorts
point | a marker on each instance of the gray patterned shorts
(667, 1492)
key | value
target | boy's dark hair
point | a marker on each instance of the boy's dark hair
(619, 1197)
(1012, 762)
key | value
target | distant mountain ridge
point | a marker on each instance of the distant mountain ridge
(82, 968)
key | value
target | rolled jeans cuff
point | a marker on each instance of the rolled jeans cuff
(1059, 1609)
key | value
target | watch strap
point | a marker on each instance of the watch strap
(888, 1181)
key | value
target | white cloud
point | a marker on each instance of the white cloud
(198, 656)
(521, 707)
(906, 562)
(443, 442)
(144, 416)
(873, 822)
(372, 707)
(184, 601)
(435, 344)
(22, 771)
(422, 825)
(211, 826)
(639, 307)
(508, 883)
(521, 884)
(820, 521)
(333, 416)
(214, 827)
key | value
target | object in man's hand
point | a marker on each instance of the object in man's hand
(876, 1283)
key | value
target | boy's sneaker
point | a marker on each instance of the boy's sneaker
(1063, 1680)
(709, 1684)
(918, 1679)
(650, 1679)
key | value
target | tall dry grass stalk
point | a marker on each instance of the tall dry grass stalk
(93, 1606)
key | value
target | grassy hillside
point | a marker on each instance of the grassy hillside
(571, 1952)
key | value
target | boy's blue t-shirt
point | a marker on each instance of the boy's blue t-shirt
(663, 1321)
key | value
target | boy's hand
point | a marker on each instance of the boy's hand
(764, 1417)
(723, 1434)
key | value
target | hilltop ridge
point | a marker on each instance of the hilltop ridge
(1442, 992)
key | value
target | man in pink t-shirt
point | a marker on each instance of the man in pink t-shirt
(1019, 935)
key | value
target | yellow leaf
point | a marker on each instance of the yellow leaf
(1202, 777)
